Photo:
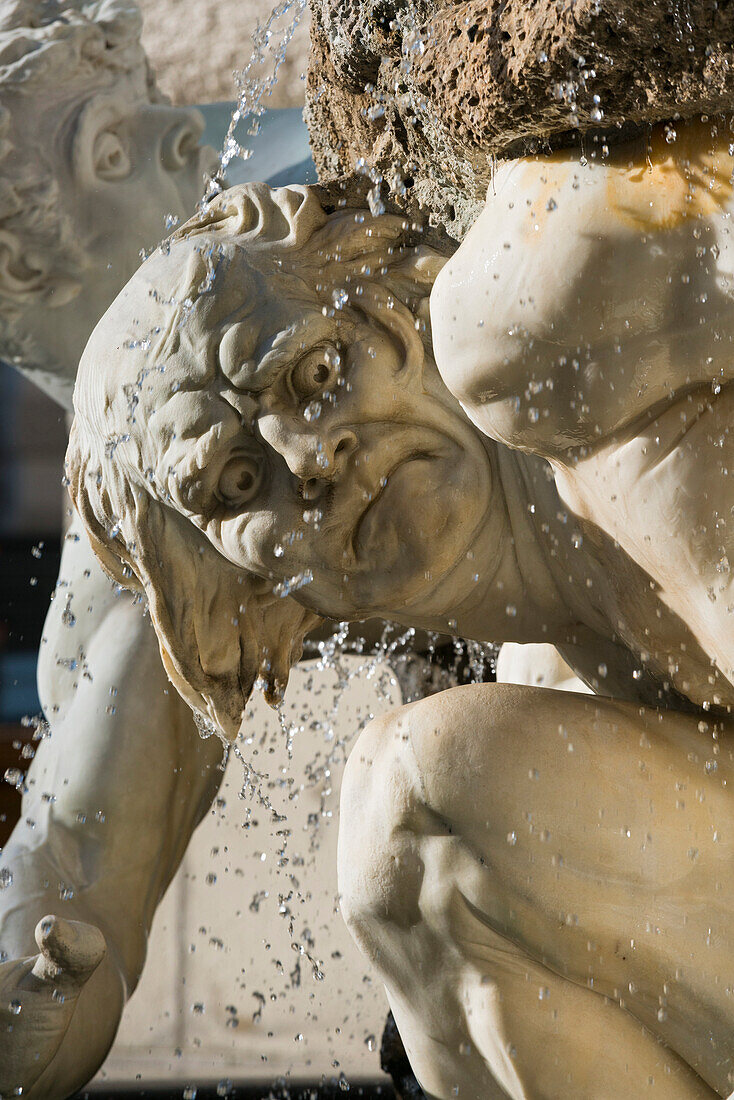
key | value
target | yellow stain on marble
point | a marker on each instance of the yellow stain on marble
(656, 185)
(648, 185)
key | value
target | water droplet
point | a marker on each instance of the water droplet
(292, 584)
(377, 207)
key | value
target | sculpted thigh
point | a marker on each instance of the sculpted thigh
(597, 837)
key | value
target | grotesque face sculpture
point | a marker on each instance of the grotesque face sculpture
(260, 403)
(93, 159)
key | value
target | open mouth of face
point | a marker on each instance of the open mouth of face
(380, 533)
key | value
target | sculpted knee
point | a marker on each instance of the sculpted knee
(419, 782)
(380, 871)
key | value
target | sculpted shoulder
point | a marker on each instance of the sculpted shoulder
(588, 295)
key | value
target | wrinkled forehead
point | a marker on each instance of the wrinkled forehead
(198, 321)
(233, 315)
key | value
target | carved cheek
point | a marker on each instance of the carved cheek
(249, 540)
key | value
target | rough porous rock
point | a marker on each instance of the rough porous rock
(429, 93)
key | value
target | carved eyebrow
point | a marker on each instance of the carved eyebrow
(243, 404)
(284, 349)
(275, 352)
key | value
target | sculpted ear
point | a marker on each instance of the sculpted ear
(219, 629)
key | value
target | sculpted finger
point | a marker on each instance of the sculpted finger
(70, 950)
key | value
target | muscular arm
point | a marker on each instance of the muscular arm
(588, 318)
(112, 798)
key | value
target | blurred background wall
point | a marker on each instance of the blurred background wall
(195, 47)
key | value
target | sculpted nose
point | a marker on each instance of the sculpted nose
(310, 455)
(339, 446)
(320, 458)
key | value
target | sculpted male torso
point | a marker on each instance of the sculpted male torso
(586, 322)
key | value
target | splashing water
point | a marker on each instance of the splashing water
(396, 672)
(255, 82)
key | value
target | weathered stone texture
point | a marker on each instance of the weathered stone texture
(434, 90)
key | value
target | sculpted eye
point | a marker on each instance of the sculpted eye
(240, 480)
(111, 158)
(315, 372)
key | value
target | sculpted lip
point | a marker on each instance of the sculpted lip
(381, 489)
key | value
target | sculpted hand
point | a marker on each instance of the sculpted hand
(38, 996)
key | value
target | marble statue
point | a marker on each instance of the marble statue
(87, 143)
(93, 159)
(262, 436)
